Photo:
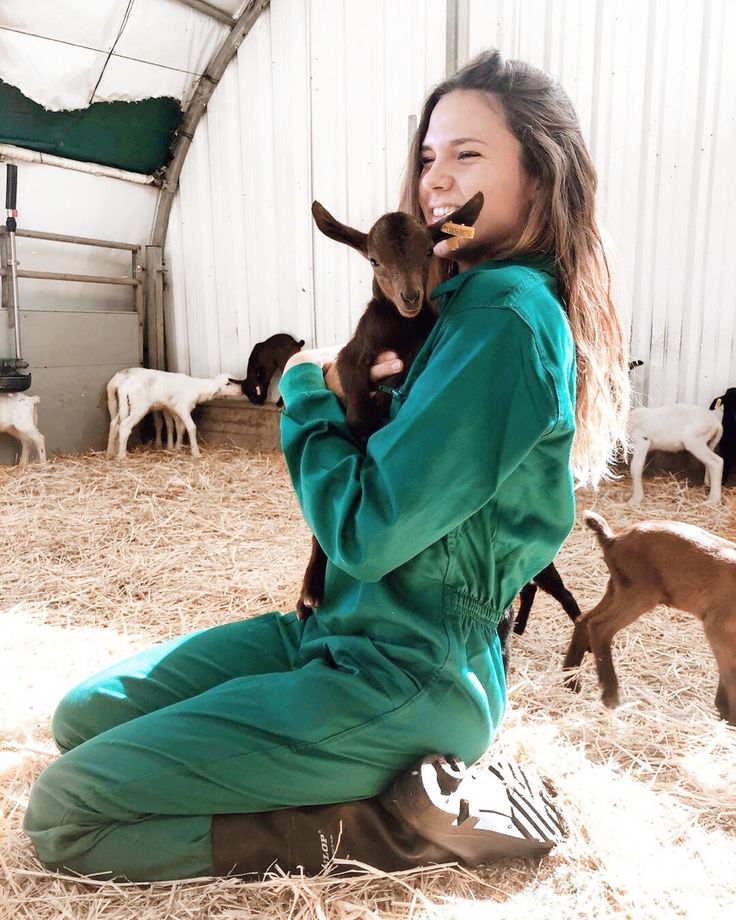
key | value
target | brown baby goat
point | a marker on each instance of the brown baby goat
(661, 562)
(398, 318)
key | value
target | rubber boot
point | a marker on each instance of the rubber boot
(437, 812)
(305, 840)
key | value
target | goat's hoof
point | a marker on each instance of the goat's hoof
(634, 501)
(610, 700)
(572, 683)
(303, 610)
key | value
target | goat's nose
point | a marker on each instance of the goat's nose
(410, 298)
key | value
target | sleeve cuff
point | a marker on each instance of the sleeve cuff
(301, 378)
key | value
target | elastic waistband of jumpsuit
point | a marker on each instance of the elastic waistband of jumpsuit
(464, 605)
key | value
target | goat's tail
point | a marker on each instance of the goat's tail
(600, 526)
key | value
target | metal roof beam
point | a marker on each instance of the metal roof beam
(209, 10)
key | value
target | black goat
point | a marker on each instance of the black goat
(398, 318)
(727, 445)
(265, 360)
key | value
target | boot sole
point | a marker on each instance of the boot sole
(479, 813)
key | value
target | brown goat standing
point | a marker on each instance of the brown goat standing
(661, 562)
(397, 318)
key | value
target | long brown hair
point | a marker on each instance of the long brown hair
(562, 226)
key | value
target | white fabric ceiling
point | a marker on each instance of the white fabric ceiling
(66, 54)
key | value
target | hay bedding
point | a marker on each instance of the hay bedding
(103, 559)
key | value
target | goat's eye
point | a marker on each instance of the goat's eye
(374, 262)
(430, 252)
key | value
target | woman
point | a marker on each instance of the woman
(457, 501)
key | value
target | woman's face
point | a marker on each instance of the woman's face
(468, 148)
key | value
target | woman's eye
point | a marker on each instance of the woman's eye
(425, 161)
(466, 154)
(374, 262)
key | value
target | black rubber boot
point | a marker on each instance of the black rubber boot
(306, 839)
(477, 813)
(437, 812)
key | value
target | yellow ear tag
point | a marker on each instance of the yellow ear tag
(453, 242)
(461, 230)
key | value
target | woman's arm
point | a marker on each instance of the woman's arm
(481, 404)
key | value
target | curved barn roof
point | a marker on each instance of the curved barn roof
(105, 81)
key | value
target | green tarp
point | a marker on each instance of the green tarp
(130, 135)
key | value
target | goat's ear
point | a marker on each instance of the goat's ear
(466, 214)
(337, 231)
(232, 380)
(717, 402)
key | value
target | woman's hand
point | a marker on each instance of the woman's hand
(387, 364)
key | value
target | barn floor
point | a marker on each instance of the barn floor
(103, 559)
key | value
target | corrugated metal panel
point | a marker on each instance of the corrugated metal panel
(655, 94)
(316, 106)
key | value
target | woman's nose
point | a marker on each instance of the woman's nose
(436, 175)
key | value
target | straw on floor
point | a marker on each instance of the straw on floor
(101, 559)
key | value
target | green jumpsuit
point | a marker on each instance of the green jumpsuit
(431, 531)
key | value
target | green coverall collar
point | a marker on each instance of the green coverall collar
(451, 285)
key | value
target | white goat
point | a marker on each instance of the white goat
(159, 416)
(674, 428)
(134, 392)
(19, 418)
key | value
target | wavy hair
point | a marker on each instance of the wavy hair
(561, 225)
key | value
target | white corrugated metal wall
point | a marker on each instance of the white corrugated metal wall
(316, 105)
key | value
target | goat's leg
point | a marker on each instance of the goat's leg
(313, 585)
(158, 425)
(125, 430)
(112, 438)
(603, 624)
(526, 599)
(713, 464)
(636, 468)
(179, 440)
(579, 645)
(113, 408)
(580, 641)
(169, 420)
(25, 445)
(721, 700)
(551, 583)
(191, 428)
(39, 443)
(720, 631)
